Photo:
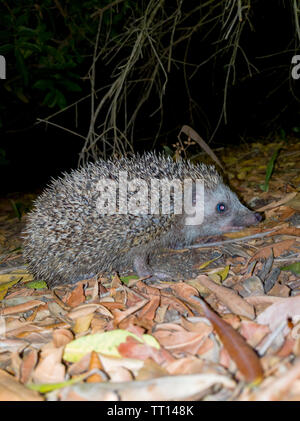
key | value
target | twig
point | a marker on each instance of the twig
(232, 240)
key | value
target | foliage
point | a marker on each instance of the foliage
(118, 58)
(270, 168)
(45, 44)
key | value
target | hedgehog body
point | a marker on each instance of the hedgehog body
(67, 239)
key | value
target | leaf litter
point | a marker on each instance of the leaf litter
(230, 329)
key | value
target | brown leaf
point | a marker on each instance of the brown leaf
(50, 369)
(233, 301)
(151, 370)
(120, 374)
(277, 203)
(187, 365)
(83, 323)
(277, 248)
(27, 366)
(286, 231)
(134, 349)
(279, 388)
(281, 310)
(12, 390)
(76, 297)
(253, 332)
(121, 315)
(180, 340)
(171, 301)
(21, 308)
(241, 353)
(95, 363)
(62, 337)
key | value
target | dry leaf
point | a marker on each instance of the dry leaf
(12, 390)
(50, 369)
(277, 203)
(280, 311)
(277, 248)
(180, 340)
(95, 363)
(76, 297)
(241, 353)
(234, 302)
(62, 337)
(175, 388)
(27, 366)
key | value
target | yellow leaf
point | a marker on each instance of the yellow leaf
(205, 264)
(105, 343)
(4, 286)
(215, 277)
(82, 324)
(224, 272)
(15, 277)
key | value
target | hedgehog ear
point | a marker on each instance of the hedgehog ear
(193, 202)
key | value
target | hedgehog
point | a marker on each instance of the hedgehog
(79, 226)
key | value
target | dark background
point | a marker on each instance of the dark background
(258, 107)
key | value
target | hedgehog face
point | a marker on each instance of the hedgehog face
(223, 212)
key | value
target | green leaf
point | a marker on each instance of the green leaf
(21, 65)
(43, 84)
(4, 49)
(168, 151)
(294, 267)
(30, 46)
(126, 279)
(17, 208)
(270, 168)
(70, 86)
(105, 343)
(48, 387)
(60, 99)
(282, 133)
(36, 284)
(25, 32)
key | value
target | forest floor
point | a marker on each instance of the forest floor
(119, 338)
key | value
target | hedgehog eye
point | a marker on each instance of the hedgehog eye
(221, 207)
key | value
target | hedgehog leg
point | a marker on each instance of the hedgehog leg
(163, 276)
(141, 266)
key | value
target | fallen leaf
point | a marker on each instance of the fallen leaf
(12, 390)
(21, 308)
(95, 363)
(277, 203)
(280, 311)
(234, 302)
(61, 337)
(181, 340)
(50, 369)
(76, 297)
(175, 388)
(82, 324)
(241, 353)
(279, 388)
(106, 343)
(27, 366)
(277, 249)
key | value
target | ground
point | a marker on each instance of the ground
(240, 343)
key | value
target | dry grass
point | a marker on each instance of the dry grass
(155, 41)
